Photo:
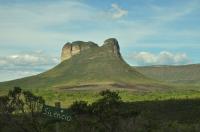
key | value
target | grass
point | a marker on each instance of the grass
(68, 97)
(189, 74)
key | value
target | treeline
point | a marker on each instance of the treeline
(20, 111)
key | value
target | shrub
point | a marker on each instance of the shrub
(20, 111)
(79, 107)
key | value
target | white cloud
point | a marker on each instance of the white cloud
(118, 12)
(7, 75)
(163, 58)
(52, 24)
(25, 64)
(21, 61)
(36, 24)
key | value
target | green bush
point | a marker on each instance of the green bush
(20, 111)
(79, 107)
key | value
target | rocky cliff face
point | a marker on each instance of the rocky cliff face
(71, 49)
(113, 46)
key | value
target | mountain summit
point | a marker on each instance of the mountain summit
(86, 64)
(71, 49)
(76, 47)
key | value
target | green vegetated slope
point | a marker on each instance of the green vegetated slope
(94, 66)
(187, 74)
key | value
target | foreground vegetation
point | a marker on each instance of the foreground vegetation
(20, 111)
(90, 96)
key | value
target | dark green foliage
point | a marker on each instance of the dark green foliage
(4, 105)
(34, 103)
(79, 107)
(110, 96)
(106, 110)
(108, 114)
(20, 110)
(15, 101)
(104, 114)
(109, 102)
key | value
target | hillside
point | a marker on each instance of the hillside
(175, 74)
(94, 67)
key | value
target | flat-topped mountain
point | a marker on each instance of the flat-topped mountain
(76, 47)
(87, 64)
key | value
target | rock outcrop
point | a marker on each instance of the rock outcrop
(76, 47)
(113, 46)
(71, 49)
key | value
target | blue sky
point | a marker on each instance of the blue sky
(150, 32)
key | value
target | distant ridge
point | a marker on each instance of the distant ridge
(175, 74)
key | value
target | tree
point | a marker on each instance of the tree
(21, 109)
(107, 110)
(79, 107)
